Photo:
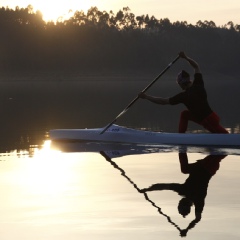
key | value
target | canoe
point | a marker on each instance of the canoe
(119, 134)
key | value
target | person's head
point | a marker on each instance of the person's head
(183, 79)
(184, 207)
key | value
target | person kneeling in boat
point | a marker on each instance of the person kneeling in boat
(194, 97)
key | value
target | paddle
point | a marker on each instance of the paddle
(123, 173)
(136, 98)
(183, 232)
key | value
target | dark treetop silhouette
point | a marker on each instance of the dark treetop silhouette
(99, 41)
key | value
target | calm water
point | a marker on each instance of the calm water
(93, 191)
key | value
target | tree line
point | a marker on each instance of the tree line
(104, 41)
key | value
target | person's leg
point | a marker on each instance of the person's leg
(212, 163)
(212, 124)
(183, 123)
(183, 159)
(184, 118)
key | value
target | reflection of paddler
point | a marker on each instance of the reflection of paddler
(194, 189)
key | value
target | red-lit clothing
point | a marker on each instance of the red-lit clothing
(211, 122)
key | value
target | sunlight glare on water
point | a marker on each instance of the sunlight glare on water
(42, 190)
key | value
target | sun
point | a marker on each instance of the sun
(55, 10)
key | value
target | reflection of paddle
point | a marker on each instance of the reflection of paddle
(136, 98)
(138, 189)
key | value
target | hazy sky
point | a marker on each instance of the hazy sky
(219, 11)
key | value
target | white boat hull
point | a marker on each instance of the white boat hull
(118, 134)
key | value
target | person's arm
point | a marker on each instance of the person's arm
(193, 63)
(162, 186)
(158, 100)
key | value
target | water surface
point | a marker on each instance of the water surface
(95, 192)
(53, 194)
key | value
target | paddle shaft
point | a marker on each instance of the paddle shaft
(123, 173)
(136, 98)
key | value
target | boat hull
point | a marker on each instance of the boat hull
(118, 134)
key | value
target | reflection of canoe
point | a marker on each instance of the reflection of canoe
(118, 134)
(115, 150)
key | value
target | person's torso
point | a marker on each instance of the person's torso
(195, 98)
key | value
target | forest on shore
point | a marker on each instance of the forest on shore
(100, 41)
